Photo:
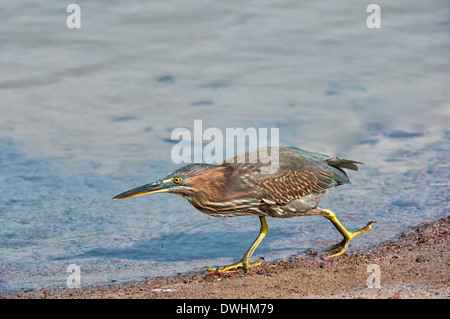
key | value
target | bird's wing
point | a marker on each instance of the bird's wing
(299, 173)
(291, 185)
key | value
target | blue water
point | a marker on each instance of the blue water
(88, 113)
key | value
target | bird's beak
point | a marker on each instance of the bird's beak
(155, 187)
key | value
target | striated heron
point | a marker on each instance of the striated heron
(232, 189)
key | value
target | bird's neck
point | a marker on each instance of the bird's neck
(210, 186)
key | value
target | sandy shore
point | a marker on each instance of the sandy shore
(413, 265)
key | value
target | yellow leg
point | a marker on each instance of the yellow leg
(245, 261)
(343, 245)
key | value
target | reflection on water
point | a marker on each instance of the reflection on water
(88, 113)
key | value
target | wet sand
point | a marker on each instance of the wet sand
(415, 264)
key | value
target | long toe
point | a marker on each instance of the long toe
(336, 247)
(241, 264)
(363, 230)
(254, 264)
(227, 268)
(339, 249)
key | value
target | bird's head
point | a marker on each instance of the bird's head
(187, 181)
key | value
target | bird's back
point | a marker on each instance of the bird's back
(292, 161)
(300, 181)
(299, 159)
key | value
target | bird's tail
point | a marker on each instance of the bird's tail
(340, 176)
(344, 163)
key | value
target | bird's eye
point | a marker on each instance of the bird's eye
(177, 180)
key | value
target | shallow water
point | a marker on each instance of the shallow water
(88, 113)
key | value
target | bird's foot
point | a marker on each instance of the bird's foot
(244, 264)
(341, 247)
